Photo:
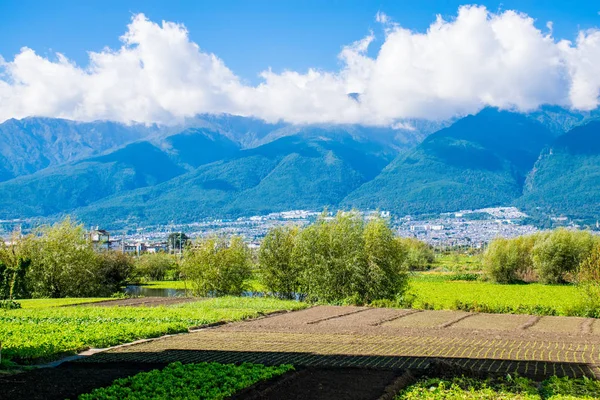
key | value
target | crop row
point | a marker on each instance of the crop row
(43, 333)
(496, 298)
(190, 381)
(508, 388)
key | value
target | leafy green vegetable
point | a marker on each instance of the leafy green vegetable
(31, 334)
(190, 381)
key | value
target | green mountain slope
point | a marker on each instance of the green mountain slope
(289, 173)
(32, 144)
(479, 161)
(140, 164)
(566, 177)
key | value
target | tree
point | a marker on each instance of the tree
(588, 279)
(278, 271)
(14, 264)
(327, 252)
(383, 274)
(113, 271)
(177, 242)
(155, 266)
(419, 254)
(63, 262)
(345, 260)
(559, 253)
(507, 260)
(216, 266)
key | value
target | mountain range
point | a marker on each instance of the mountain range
(114, 175)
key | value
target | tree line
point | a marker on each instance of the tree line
(554, 257)
(339, 259)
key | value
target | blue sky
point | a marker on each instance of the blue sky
(297, 61)
(251, 36)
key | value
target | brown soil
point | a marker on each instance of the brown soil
(66, 381)
(325, 384)
(141, 302)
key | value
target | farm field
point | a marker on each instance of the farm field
(42, 333)
(438, 292)
(45, 303)
(508, 388)
(491, 297)
(204, 380)
(330, 347)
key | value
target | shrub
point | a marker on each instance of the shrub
(113, 270)
(506, 260)
(559, 253)
(62, 261)
(419, 255)
(588, 278)
(382, 274)
(155, 266)
(278, 272)
(14, 264)
(216, 266)
(344, 259)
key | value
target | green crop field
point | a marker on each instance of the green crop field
(509, 388)
(191, 381)
(436, 292)
(45, 303)
(253, 285)
(34, 334)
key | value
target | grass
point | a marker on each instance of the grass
(190, 381)
(439, 293)
(35, 334)
(502, 389)
(45, 303)
(457, 262)
(253, 285)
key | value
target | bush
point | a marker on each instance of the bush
(63, 261)
(345, 260)
(14, 264)
(156, 266)
(507, 260)
(217, 267)
(559, 254)
(588, 278)
(278, 272)
(419, 255)
(113, 270)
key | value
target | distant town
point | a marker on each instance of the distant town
(465, 228)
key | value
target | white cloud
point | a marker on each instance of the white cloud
(477, 59)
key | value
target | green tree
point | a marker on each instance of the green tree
(155, 266)
(344, 259)
(14, 264)
(177, 241)
(63, 262)
(507, 260)
(113, 271)
(383, 273)
(559, 253)
(216, 266)
(588, 279)
(328, 252)
(278, 271)
(419, 255)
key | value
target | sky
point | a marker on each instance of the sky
(158, 61)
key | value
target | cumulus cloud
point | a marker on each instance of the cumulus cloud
(458, 66)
